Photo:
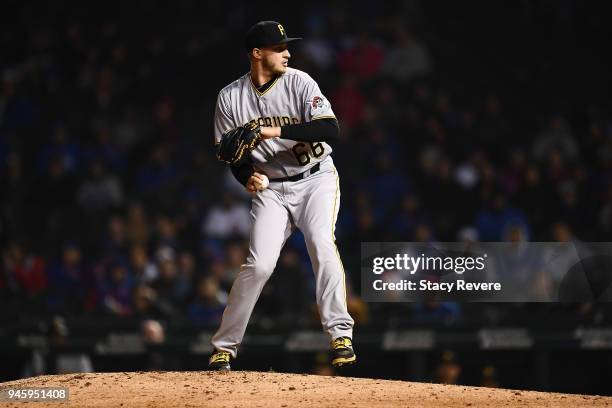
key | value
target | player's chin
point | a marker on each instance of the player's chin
(282, 69)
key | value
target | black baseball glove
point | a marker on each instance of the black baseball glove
(237, 144)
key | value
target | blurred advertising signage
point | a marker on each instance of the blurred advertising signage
(507, 338)
(409, 340)
(594, 338)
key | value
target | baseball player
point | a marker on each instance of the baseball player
(296, 121)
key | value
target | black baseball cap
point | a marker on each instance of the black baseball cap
(266, 33)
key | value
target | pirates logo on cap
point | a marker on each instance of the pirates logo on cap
(281, 29)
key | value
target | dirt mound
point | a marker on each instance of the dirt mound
(256, 389)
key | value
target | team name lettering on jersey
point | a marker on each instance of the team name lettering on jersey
(275, 121)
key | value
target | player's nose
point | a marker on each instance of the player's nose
(286, 54)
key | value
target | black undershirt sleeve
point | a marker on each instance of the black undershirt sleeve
(242, 172)
(320, 130)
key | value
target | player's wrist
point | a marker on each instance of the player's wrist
(268, 132)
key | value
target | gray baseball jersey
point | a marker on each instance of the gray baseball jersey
(293, 98)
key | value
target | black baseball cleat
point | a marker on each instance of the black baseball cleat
(219, 361)
(342, 349)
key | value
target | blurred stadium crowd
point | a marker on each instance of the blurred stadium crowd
(453, 127)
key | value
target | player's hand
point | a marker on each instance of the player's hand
(256, 178)
(268, 132)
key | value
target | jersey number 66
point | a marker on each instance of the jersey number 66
(300, 150)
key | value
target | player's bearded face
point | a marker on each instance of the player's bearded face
(276, 58)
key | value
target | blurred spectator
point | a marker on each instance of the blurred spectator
(423, 233)
(166, 233)
(115, 291)
(15, 191)
(557, 137)
(410, 215)
(407, 58)
(187, 267)
(571, 207)
(154, 337)
(143, 270)
(227, 219)
(363, 58)
(100, 191)
(348, 102)
(489, 377)
(512, 175)
(218, 269)
(208, 303)
(468, 235)
(447, 191)
(384, 175)
(144, 301)
(437, 312)
(62, 149)
(322, 365)
(25, 273)
(493, 128)
(152, 332)
(171, 287)
(52, 197)
(535, 190)
(290, 290)
(448, 369)
(493, 221)
(115, 244)
(137, 226)
(128, 131)
(104, 150)
(66, 280)
(561, 232)
(318, 49)
(158, 173)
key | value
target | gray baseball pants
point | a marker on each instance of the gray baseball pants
(310, 204)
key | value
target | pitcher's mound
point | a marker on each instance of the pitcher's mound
(258, 389)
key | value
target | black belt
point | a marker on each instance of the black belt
(300, 176)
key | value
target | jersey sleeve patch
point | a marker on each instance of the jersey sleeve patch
(318, 104)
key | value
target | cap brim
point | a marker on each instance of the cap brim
(284, 41)
(287, 40)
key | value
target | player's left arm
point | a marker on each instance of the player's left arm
(320, 123)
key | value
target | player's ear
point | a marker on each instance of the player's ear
(257, 53)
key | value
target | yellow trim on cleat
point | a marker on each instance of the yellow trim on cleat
(342, 342)
(343, 360)
(219, 357)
